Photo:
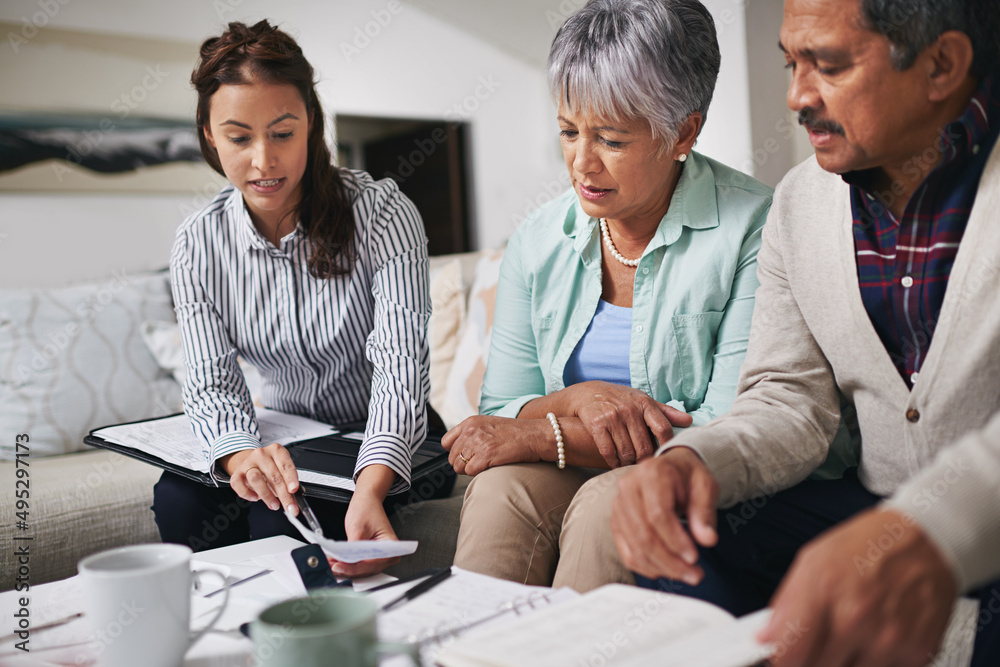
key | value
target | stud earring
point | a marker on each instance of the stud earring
(682, 157)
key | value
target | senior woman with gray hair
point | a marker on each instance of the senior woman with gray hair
(623, 307)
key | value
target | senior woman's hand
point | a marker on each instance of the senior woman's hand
(484, 442)
(621, 419)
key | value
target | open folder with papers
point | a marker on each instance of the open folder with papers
(324, 455)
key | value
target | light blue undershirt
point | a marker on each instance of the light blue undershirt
(602, 353)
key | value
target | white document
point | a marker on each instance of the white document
(325, 479)
(172, 440)
(732, 645)
(462, 602)
(619, 626)
(353, 552)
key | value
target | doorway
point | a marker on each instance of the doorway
(429, 162)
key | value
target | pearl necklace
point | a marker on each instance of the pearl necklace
(610, 245)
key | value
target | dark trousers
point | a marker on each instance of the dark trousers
(206, 517)
(758, 541)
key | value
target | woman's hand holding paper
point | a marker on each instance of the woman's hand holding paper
(366, 520)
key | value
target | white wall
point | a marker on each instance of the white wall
(96, 235)
(726, 136)
(409, 65)
(414, 66)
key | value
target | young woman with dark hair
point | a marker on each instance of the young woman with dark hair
(315, 275)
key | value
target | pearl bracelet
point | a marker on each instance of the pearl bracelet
(560, 450)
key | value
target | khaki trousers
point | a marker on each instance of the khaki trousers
(535, 524)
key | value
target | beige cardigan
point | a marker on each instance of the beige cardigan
(812, 341)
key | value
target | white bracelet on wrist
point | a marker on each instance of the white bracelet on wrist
(560, 449)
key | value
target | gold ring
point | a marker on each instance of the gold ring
(464, 460)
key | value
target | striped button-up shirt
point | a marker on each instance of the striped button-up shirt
(904, 266)
(337, 350)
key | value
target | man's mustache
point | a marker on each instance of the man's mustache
(807, 118)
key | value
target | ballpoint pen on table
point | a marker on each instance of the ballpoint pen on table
(239, 581)
(403, 580)
(419, 589)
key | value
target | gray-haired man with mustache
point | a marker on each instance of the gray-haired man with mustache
(878, 307)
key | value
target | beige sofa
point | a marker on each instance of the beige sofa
(87, 501)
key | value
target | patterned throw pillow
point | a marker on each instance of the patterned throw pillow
(164, 342)
(465, 377)
(72, 359)
(448, 302)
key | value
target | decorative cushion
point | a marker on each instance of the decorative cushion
(72, 359)
(164, 342)
(448, 304)
(465, 377)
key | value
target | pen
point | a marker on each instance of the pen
(46, 626)
(307, 513)
(403, 580)
(238, 582)
(419, 589)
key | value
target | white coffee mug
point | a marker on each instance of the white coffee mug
(138, 604)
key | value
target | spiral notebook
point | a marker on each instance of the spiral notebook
(461, 603)
(616, 626)
(473, 620)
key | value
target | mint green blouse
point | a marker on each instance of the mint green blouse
(691, 305)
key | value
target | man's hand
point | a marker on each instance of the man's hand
(874, 591)
(265, 473)
(647, 513)
(484, 442)
(620, 420)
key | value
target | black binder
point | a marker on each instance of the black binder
(332, 455)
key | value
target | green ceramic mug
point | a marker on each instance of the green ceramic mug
(328, 627)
